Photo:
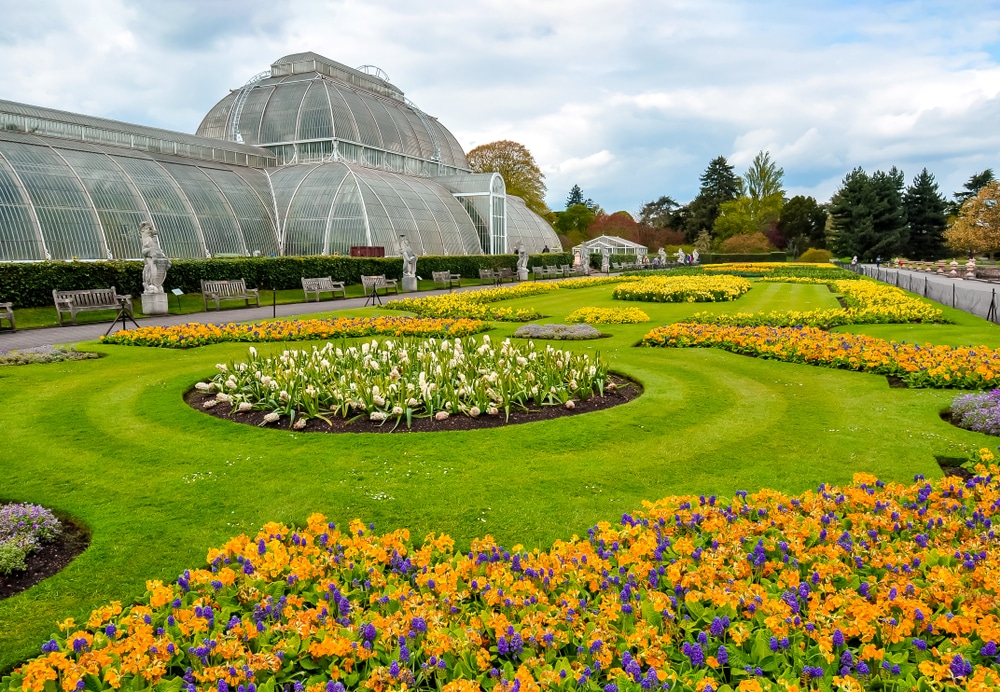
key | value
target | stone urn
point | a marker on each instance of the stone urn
(954, 270)
(970, 269)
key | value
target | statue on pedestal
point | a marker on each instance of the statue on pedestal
(662, 254)
(605, 260)
(522, 257)
(409, 258)
(694, 256)
(156, 261)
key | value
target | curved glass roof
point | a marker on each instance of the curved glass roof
(529, 228)
(326, 209)
(67, 200)
(309, 98)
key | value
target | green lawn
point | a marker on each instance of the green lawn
(111, 443)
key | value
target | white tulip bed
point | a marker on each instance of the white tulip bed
(404, 379)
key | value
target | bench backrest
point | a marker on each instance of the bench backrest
(322, 283)
(441, 276)
(376, 281)
(88, 297)
(224, 288)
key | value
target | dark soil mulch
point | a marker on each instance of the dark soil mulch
(843, 303)
(896, 382)
(952, 466)
(624, 392)
(51, 558)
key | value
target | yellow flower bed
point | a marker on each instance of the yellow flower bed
(869, 302)
(196, 334)
(608, 316)
(919, 366)
(475, 304)
(684, 289)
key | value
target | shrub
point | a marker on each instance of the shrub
(815, 255)
(746, 244)
(44, 354)
(23, 530)
(978, 412)
(564, 332)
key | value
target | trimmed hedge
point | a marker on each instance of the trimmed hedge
(723, 258)
(30, 284)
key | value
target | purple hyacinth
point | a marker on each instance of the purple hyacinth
(959, 667)
(838, 638)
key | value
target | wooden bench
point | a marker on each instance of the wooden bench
(487, 275)
(985, 273)
(72, 302)
(373, 284)
(551, 272)
(446, 279)
(537, 273)
(505, 274)
(233, 289)
(7, 313)
(322, 284)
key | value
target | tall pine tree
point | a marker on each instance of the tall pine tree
(869, 220)
(926, 218)
(718, 184)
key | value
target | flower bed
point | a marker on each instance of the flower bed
(400, 380)
(684, 289)
(868, 302)
(918, 366)
(817, 270)
(608, 316)
(195, 334)
(44, 354)
(24, 528)
(871, 586)
(475, 304)
(977, 412)
(564, 332)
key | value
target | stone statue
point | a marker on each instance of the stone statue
(663, 256)
(522, 257)
(157, 263)
(694, 256)
(409, 258)
(681, 257)
(605, 260)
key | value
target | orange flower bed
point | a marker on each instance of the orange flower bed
(871, 586)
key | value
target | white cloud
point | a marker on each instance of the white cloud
(629, 99)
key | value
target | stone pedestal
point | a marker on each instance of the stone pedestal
(409, 284)
(522, 274)
(155, 304)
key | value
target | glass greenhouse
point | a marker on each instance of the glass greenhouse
(312, 157)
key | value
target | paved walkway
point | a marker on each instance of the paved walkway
(57, 336)
(975, 296)
(53, 336)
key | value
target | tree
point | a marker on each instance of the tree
(977, 228)
(660, 213)
(976, 182)
(574, 222)
(718, 184)
(758, 206)
(925, 218)
(868, 218)
(517, 166)
(802, 224)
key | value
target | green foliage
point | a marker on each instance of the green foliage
(574, 222)
(45, 354)
(520, 173)
(925, 216)
(803, 222)
(816, 255)
(747, 243)
(31, 284)
(975, 183)
(718, 184)
(723, 257)
(869, 219)
(660, 213)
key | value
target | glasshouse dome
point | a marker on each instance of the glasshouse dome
(312, 157)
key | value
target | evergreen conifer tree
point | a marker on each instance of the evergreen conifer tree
(925, 217)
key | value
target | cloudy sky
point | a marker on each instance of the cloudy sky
(630, 99)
